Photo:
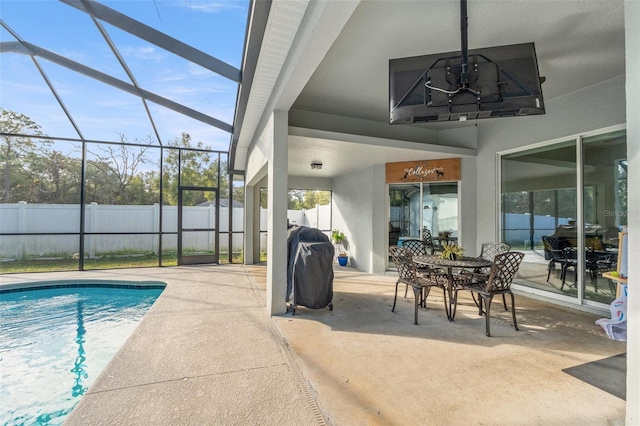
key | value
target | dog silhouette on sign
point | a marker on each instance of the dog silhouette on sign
(439, 174)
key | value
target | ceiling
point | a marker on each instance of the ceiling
(578, 44)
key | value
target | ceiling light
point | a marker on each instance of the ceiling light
(316, 165)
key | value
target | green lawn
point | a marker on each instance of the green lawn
(103, 262)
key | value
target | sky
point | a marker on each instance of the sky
(105, 113)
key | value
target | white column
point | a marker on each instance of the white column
(277, 220)
(249, 229)
(632, 41)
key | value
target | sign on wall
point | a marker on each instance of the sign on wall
(445, 170)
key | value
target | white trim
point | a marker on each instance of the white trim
(563, 139)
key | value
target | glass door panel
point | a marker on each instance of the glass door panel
(539, 209)
(605, 207)
(417, 207)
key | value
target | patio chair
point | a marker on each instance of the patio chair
(428, 240)
(417, 248)
(408, 274)
(560, 252)
(489, 251)
(498, 281)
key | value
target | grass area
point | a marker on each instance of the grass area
(103, 262)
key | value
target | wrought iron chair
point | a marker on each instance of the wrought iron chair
(419, 248)
(415, 246)
(488, 252)
(498, 281)
(409, 275)
(428, 240)
(558, 251)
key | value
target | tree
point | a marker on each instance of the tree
(16, 145)
(113, 171)
(53, 179)
(197, 167)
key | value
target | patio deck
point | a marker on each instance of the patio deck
(208, 353)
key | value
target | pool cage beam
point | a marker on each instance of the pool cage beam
(156, 37)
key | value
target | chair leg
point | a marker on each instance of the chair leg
(416, 292)
(451, 314)
(406, 287)
(487, 300)
(395, 297)
(504, 302)
(447, 309)
(513, 311)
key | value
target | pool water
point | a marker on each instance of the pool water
(54, 344)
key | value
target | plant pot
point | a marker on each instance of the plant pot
(342, 260)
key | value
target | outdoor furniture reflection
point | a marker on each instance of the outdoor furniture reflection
(498, 281)
(600, 261)
(428, 241)
(451, 278)
(559, 251)
(562, 250)
(421, 282)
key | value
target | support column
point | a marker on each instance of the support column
(277, 219)
(249, 228)
(632, 87)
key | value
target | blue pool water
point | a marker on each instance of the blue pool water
(54, 343)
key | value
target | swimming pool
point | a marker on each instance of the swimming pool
(56, 341)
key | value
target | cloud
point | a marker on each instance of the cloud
(147, 53)
(206, 6)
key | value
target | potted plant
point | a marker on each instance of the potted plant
(451, 251)
(338, 238)
(444, 236)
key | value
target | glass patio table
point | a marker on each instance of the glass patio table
(459, 263)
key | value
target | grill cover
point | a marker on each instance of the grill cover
(309, 268)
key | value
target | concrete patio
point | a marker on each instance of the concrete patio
(208, 353)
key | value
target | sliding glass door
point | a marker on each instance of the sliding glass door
(563, 204)
(418, 207)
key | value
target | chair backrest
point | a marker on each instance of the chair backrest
(417, 247)
(427, 238)
(490, 250)
(504, 268)
(555, 247)
(404, 263)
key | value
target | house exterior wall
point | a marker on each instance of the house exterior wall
(358, 198)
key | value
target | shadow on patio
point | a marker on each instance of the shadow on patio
(368, 365)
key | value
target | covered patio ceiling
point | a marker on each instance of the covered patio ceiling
(333, 61)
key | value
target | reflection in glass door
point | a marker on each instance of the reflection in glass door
(419, 207)
(538, 212)
(569, 238)
(605, 208)
(198, 218)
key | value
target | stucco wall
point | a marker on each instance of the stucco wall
(594, 108)
(358, 198)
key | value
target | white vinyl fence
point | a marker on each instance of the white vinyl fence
(65, 218)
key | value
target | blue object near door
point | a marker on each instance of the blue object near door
(342, 260)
